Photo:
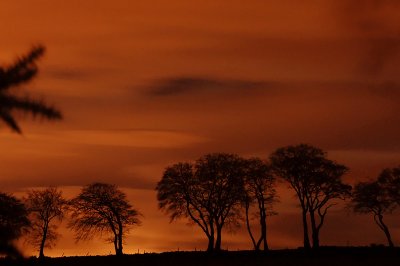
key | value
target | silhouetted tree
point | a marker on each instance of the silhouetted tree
(12, 77)
(260, 190)
(102, 208)
(13, 223)
(316, 181)
(45, 206)
(324, 188)
(371, 197)
(208, 192)
(293, 164)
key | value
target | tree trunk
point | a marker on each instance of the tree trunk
(211, 237)
(256, 247)
(119, 251)
(120, 234)
(307, 245)
(386, 231)
(264, 237)
(42, 243)
(263, 223)
(219, 238)
(116, 244)
(41, 253)
(210, 247)
(315, 231)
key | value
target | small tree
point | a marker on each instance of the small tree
(12, 77)
(371, 197)
(260, 191)
(13, 223)
(208, 192)
(45, 207)
(102, 208)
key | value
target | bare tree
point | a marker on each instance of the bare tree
(14, 222)
(11, 100)
(371, 197)
(102, 208)
(316, 181)
(208, 192)
(45, 207)
(260, 191)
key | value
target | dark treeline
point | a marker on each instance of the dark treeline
(223, 189)
(217, 191)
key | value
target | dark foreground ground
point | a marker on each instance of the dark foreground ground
(376, 256)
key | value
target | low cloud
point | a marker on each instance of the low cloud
(191, 85)
(66, 74)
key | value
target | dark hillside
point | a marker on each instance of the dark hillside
(326, 257)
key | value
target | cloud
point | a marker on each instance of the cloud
(177, 86)
(66, 73)
(189, 85)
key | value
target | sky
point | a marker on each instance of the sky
(145, 84)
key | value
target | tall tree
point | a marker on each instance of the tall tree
(13, 223)
(45, 207)
(316, 181)
(102, 208)
(259, 191)
(11, 78)
(208, 192)
(372, 198)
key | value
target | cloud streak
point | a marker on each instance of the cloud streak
(198, 85)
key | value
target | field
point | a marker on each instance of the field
(378, 256)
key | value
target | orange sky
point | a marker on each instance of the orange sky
(143, 84)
